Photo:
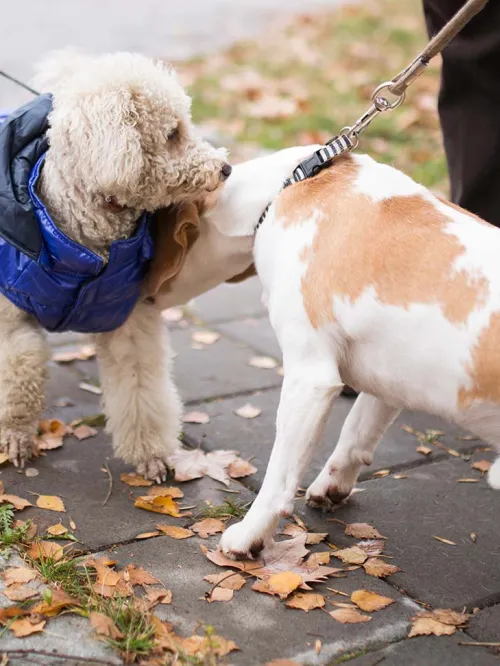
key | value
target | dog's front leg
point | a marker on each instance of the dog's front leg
(142, 406)
(307, 395)
(362, 431)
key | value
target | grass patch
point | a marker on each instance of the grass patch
(228, 509)
(303, 82)
(11, 535)
(136, 626)
(67, 574)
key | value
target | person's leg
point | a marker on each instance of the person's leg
(469, 103)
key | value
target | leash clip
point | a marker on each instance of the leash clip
(309, 167)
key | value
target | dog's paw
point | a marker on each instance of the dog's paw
(239, 543)
(328, 493)
(17, 445)
(154, 469)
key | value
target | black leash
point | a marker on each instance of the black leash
(19, 83)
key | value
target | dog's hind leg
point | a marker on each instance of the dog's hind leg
(23, 357)
(363, 429)
(142, 406)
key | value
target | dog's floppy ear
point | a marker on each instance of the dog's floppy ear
(177, 228)
(247, 273)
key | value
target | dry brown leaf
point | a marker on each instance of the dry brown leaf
(104, 626)
(291, 529)
(160, 491)
(372, 547)
(381, 473)
(23, 627)
(452, 452)
(362, 531)
(377, 567)
(482, 465)
(220, 594)
(193, 464)
(82, 354)
(248, 411)
(148, 535)
(18, 575)
(314, 538)
(306, 601)
(205, 337)
(10, 612)
(56, 530)
(317, 559)
(90, 388)
(211, 645)
(175, 532)
(468, 481)
(400, 476)
(370, 601)
(19, 592)
(473, 537)
(84, 432)
(349, 616)
(443, 540)
(283, 584)
(106, 576)
(159, 597)
(342, 604)
(200, 418)
(425, 450)
(2, 488)
(240, 468)
(263, 362)
(426, 626)
(446, 616)
(229, 581)
(204, 528)
(58, 601)
(353, 555)
(46, 549)
(17, 502)
(4, 457)
(50, 502)
(164, 505)
(262, 586)
(51, 434)
(139, 576)
(72, 524)
(135, 480)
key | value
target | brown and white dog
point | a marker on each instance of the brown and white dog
(373, 281)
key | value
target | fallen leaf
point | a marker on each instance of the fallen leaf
(18, 575)
(17, 502)
(468, 481)
(362, 531)
(159, 596)
(106, 575)
(90, 388)
(283, 584)
(148, 535)
(104, 626)
(317, 559)
(248, 411)
(188, 464)
(56, 530)
(381, 473)
(72, 524)
(372, 547)
(370, 601)
(2, 488)
(164, 505)
(19, 592)
(306, 601)
(58, 601)
(23, 627)
(473, 537)
(175, 532)
(196, 417)
(452, 452)
(45, 549)
(4, 457)
(400, 476)
(160, 491)
(353, 555)
(50, 502)
(446, 616)
(425, 450)
(211, 645)
(139, 576)
(263, 362)
(229, 581)
(205, 337)
(135, 480)
(482, 465)
(220, 594)
(443, 540)
(426, 626)
(9, 612)
(240, 468)
(342, 604)
(349, 616)
(82, 354)
(314, 538)
(84, 432)
(204, 528)
(291, 529)
(377, 567)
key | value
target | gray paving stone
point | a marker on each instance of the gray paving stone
(485, 625)
(428, 651)
(255, 332)
(63, 383)
(262, 626)
(230, 301)
(410, 512)
(219, 369)
(254, 438)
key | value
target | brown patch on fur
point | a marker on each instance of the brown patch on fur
(397, 246)
(485, 368)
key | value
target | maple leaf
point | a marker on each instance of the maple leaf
(19, 592)
(349, 616)
(50, 502)
(104, 625)
(17, 502)
(377, 567)
(135, 480)
(209, 526)
(220, 594)
(370, 601)
(18, 575)
(165, 505)
(228, 581)
(248, 411)
(352, 555)
(306, 601)
(45, 549)
(23, 627)
(139, 576)
(175, 532)
(56, 530)
(362, 531)
(426, 626)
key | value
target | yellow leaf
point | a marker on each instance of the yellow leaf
(283, 584)
(377, 567)
(229, 581)
(426, 626)
(3, 458)
(306, 601)
(45, 549)
(175, 532)
(23, 627)
(207, 527)
(56, 530)
(362, 531)
(349, 616)
(353, 555)
(50, 502)
(443, 540)
(165, 505)
(17, 502)
(135, 480)
(370, 601)
(220, 594)
(207, 645)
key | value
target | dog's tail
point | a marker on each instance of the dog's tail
(494, 475)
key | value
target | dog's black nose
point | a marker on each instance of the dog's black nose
(226, 171)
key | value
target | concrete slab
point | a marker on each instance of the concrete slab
(228, 302)
(254, 332)
(411, 512)
(262, 626)
(485, 625)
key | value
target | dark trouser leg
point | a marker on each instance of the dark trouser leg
(469, 106)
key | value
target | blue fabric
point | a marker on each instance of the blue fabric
(66, 286)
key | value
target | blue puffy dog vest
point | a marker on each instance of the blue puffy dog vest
(61, 283)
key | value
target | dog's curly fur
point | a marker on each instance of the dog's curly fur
(121, 142)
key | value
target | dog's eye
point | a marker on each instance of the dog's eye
(174, 134)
